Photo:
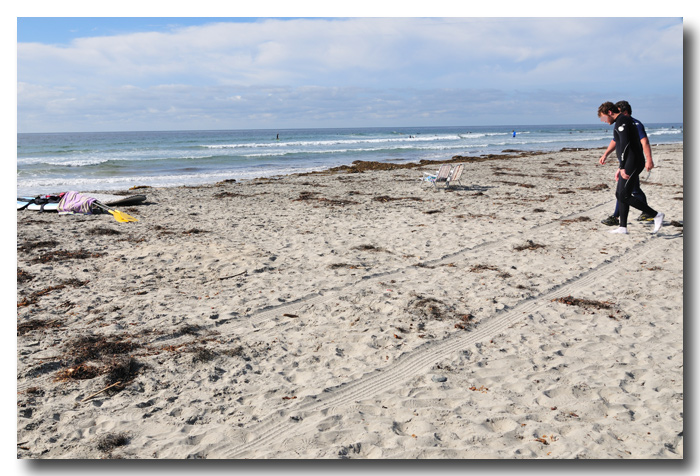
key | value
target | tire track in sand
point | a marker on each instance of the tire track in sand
(273, 431)
(256, 319)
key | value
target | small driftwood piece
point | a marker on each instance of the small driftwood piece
(235, 275)
(101, 391)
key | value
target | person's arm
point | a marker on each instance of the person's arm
(647, 153)
(623, 136)
(607, 152)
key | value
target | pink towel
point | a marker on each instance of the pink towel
(73, 202)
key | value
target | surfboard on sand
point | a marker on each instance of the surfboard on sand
(26, 203)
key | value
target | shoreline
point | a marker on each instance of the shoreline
(361, 166)
(359, 313)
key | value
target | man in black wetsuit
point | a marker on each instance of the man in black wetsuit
(631, 163)
(626, 109)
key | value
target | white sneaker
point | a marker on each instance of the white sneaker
(621, 230)
(658, 222)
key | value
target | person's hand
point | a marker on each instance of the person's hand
(623, 174)
(617, 175)
(649, 165)
(602, 159)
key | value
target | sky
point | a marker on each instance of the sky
(185, 73)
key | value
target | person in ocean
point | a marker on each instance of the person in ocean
(626, 109)
(630, 156)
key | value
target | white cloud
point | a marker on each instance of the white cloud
(318, 51)
(322, 66)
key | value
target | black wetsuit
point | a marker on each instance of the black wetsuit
(631, 158)
(637, 191)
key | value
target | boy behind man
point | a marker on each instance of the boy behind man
(626, 109)
(631, 163)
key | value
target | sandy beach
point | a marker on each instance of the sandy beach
(359, 313)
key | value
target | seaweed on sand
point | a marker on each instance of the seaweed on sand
(63, 255)
(78, 372)
(466, 322)
(585, 303)
(309, 196)
(37, 324)
(386, 198)
(23, 276)
(430, 308)
(189, 329)
(370, 248)
(194, 231)
(163, 230)
(121, 369)
(575, 220)
(227, 194)
(103, 230)
(483, 267)
(33, 245)
(34, 297)
(347, 265)
(202, 354)
(110, 441)
(593, 306)
(530, 245)
(524, 185)
(94, 348)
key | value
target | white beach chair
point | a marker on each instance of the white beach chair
(441, 175)
(455, 175)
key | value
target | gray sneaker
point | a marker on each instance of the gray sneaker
(611, 221)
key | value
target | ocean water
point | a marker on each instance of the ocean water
(59, 162)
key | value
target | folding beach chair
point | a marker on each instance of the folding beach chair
(441, 175)
(454, 176)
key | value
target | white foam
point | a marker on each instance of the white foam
(276, 144)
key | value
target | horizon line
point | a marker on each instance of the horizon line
(603, 126)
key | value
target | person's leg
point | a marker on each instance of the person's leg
(623, 208)
(623, 204)
(612, 220)
(626, 199)
(639, 195)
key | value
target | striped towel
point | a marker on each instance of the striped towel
(73, 202)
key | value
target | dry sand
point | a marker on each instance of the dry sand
(359, 315)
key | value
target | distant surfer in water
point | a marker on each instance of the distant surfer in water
(278, 137)
(513, 133)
